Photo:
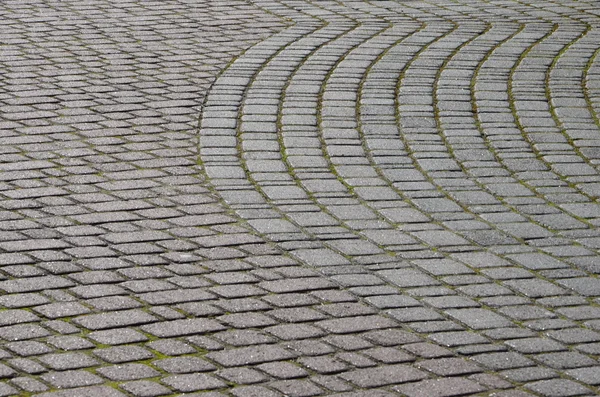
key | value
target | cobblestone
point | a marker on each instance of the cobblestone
(276, 197)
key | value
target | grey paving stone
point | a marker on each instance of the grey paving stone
(380, 376)
(247, 320)
(127, 372)
(491, 381)
(290, 332)
(67, 361)
(347, 309)
(193, 382)
(61, 327)
(283, 370)
(241, 305)
(323, 364)
(242, 376)
(388, 355)
(320, 257)
(537, 261)
(565, 360)
(418, 191)
(479, 318)
(34, 284)
(181, 365)
(529, 374)
(63, 309)
(115, 319)
(450, 366)
(144, 388)
(252, 391)
(124, 353)
(558, 387)
(574, 335)
(412, 314)
(113, 303)
(391, 301)
(586, 286)
(501, 361)
(250, 355)
(297, 387)
(535, 345)
(244, 337)
(348, 342)
(535, 288)
(427, 350)
(25, 384)
(23, 300)
(171, 347)
(182, 327)
(587, 375)
(237, 291)
(309, 347)
(6, 371)
(522, 312)
(355, 324)
(512, 393)
(300, 314)
(28, 348)
(85, 392)
(117, 336)
(374, 393)
(440, 387)
(409, 278)
(71, 379)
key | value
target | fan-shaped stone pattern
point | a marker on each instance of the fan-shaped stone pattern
(403, 129)
(394, 198)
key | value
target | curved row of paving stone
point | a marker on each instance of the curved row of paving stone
(123, 275)
(120, 269)
(306, 156)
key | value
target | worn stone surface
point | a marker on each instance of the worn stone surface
(300, 198)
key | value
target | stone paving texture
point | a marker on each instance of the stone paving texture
(299, 198)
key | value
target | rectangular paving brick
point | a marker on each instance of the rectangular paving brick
(297, 285)
(176, 296)
(384, 375)
(251, 355)
(441, 388)
(536, 288)
(182, 327)
(92, 391)
(35, 284)
(480, 318)
(34, 244)
(121, 318)
(356, 324)
(408, 278)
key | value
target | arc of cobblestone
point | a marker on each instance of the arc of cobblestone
(517, 90)
(441, 118)
(298, 198)
(243, 128)
(567, 95)
(514, 110)
(576, 120)
(587, 83)
(589, 89)
(248, 130)
(305, 267)
(508, 165)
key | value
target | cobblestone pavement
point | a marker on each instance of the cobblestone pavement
(299, 198)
